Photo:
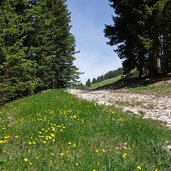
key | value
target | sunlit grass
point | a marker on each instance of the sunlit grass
(162, 89)
(55, 131)
(105, 82)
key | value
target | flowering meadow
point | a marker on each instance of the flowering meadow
(55, 131)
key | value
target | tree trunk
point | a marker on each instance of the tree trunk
(152, 66)
(141, 63)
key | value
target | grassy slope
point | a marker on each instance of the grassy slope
(55, 131)
(105, 82)
(163, 89)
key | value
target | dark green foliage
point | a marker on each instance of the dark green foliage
(113, 73)
(141, 31)
(88, 83)
(108, 75)
(17, 71)
(100, 78)
(167, 29)
(94, 80)
(36, 47)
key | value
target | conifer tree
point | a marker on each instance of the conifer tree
(17, 71)
(36, 47)
(140, 34)
(58, 46)
(88, 83)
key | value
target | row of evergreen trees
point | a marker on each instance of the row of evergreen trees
(108, 75)
(36, 47)
(142, 31)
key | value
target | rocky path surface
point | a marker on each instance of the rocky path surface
(149, 106)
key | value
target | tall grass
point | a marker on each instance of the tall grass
(54, 131)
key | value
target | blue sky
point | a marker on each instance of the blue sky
(88, 19)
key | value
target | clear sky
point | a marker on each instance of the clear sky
(88, 19)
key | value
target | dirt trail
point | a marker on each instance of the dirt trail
(149, 106)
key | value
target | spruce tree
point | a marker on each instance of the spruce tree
(58, 46)
(17, 71)
(36, 47)
(140, 34)
(88, 83)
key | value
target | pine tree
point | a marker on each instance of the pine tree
(128, 26)
(58, 47)
(93, 81)
(138, 32)
(167, 36)
(36, 47)
(88, 83)
(17, 71)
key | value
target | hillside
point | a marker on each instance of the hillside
(160, 85)
(105, 82)
(54, 130)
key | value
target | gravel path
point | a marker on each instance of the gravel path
(149, 106)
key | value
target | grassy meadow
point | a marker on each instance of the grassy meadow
(54, 131)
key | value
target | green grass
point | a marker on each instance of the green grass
(54, 131)
(163, 89)
(105, 82)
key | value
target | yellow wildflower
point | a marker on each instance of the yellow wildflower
(2, 142)
(53, 129)
(121, 120)
(62, 154)
(125, 143)
(124, 155)
(52, 135)
(25, 159)
(6, 137)
(139, 167)
(103, 150)
(96, 151)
